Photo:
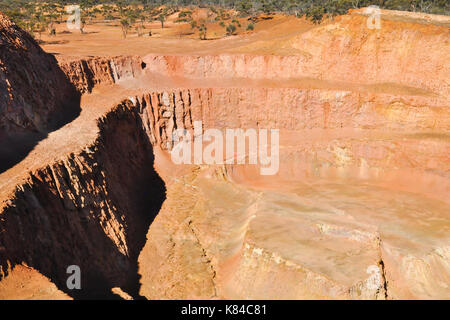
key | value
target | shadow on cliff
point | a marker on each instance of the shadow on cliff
(103, 228)
(16, 143)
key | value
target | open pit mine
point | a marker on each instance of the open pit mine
(358, 207)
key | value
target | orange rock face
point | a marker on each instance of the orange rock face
(87, 73)
(358, 209)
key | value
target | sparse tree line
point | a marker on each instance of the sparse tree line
(38, 16)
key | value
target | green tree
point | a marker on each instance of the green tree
(231, 29)
(315, 14)
(125, 25)
(244, 7)
(267, 7)
(202, 31)
(162, 19)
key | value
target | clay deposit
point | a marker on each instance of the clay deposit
(359, 208)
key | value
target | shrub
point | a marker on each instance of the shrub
(231, 28)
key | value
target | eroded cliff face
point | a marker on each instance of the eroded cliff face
(357, 210)
(35, 95)
(73, 212)
(33, 89)
(86, 74)
(344, 52)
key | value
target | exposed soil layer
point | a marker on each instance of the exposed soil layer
(359, 208)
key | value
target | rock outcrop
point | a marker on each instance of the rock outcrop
(33, 89)
(86, 74)
(35, 95)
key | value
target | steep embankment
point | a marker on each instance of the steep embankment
(32, 87)
(86, 74)
(92, 210)
(343, 52)
(35, 95)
